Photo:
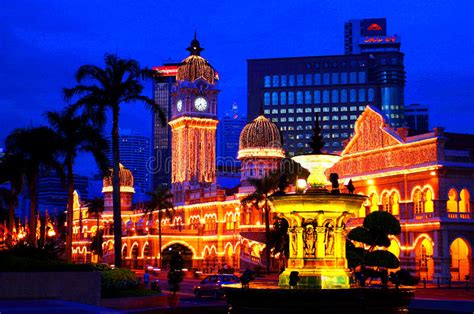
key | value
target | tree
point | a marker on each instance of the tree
(37, 148)
(102, 89)
(75, 134)
(263, 189)
(94, 208)
(175, 274)
(375, 232)
(11, 171)
(161, 201)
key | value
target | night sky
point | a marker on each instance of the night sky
(42, 43)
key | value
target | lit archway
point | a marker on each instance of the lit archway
(460, 259)
(374, 203)
(228, 255)
(424, 259)
(184, 251)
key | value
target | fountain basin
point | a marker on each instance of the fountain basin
(271, 299)
(316, 221)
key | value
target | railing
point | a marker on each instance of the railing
(457, 215)
(420, 216)
(252, 258)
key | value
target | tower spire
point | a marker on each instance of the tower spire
(195, 47)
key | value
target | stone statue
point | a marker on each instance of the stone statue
(334, 179)
(309, 240)
(293, 242)
(350, 187)
(329, 239)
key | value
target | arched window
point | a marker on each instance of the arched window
(464, 205)
(386, 206)
(429, 205)
(394, 199)
(418, 205)
(374, 203)
(452, 204)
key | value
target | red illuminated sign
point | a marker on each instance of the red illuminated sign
(169, 70)
(380, 39)
(374, 27)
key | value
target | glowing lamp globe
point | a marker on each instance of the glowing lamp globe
(317, 165)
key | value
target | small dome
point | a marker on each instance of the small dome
(195, 67)
(262, 138)
(126, 180)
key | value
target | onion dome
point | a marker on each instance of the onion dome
(126, 180)
(260, 138)
(195, 66)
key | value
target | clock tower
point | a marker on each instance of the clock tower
(193, 123)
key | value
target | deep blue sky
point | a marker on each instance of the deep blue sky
(42, 43)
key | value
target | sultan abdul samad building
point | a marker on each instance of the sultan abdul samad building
(424, 180)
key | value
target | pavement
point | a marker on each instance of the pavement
(50, 307)
(431, 299)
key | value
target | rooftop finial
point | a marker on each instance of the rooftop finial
(316, 142)
(195, 47)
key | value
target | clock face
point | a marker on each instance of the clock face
(200, 103)
(179, 105)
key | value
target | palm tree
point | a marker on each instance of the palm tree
(263, 189)
(96, 207)
(161, 201)
(75, 134)
(11, 171)
(108, 88)
(37, 148)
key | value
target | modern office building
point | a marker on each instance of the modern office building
(229, 131)
(417, 118)
(52, 192)
(338, 88)
(369, 35)
(161, 150)
(135, 155)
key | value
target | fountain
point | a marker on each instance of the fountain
(317, 220)
(317, 278)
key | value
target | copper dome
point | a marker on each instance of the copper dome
(126, 179)
(195, 66)
(261, 134)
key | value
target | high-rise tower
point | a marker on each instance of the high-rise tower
(193, 123)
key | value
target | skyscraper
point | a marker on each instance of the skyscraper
(161, 150)
(135, 155)
(52, 192)
(369, 35)
(417, 118)
(229, 131)
(338, 88)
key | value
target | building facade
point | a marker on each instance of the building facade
(425, 181)
(290, 91)
(135, 155)
(52, 192)
(229, 131)
(369, 35)
(161, 146)
(417, 118)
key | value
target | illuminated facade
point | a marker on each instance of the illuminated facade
(208, 227)
(426, 182)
